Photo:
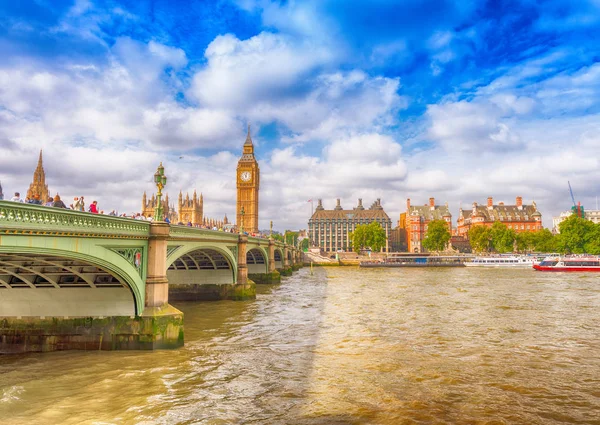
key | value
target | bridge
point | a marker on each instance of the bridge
(86, 281)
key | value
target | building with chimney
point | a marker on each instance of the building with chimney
(330, 229)
(38, 189)
(518, 217)
(416, 219)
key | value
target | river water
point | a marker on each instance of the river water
(344, 346)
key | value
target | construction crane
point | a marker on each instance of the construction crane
(576, 208)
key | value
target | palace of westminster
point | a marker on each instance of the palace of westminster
(329, 230)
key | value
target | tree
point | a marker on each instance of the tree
(291, 237)
(526, 241)
(480, 238)
(503, 238)
(545, 241)
(575, 234)
(592, 246)
(370, 235)
(437, 236)
(304, 244)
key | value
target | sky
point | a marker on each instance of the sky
(348, 99)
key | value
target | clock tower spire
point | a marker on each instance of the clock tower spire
(248, 182)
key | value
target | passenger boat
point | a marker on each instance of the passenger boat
(512, 261)
(417, 261)
(569, 263)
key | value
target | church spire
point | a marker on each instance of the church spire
(38, 189)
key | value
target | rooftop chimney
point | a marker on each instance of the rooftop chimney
(320, 205)
(519, 202)
(432, 202)
(360, 205)
(338, 206)
(490, 203)
(407, 204)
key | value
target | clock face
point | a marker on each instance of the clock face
(246, 176)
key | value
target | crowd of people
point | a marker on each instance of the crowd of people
(79, 205)
(55, 201)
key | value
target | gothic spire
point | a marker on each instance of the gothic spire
(40, 161)
(248, 138)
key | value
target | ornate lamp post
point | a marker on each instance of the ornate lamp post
(242, 212)
(271, 229)
(161, 181)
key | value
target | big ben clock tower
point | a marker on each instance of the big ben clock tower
(248, 181)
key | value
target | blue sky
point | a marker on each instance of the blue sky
(347, 99)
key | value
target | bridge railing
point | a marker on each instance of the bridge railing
(187, 232)
(19, 218)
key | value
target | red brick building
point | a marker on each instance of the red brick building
(519, 217)
(417, 219)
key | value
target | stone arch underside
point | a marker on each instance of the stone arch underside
(256, 261)
(278, 254)
(52, 285)
(201, 266)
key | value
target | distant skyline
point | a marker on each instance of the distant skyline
(347, 99)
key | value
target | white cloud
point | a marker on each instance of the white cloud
(241, 73)
(272, 77)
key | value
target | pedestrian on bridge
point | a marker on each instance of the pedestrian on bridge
(17, 198)
(58, 203)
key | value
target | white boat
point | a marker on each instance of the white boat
(513, 261)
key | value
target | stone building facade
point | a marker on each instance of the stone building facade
(38, 187)
(330, 229)
(518, 217)
(188, 210)
(417, 218)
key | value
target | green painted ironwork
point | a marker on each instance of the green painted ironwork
(18, 218)
(134, 256)
(234, 251)
(171, 249)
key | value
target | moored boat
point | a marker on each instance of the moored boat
(569, 263)
(417, 261)
(512, 261)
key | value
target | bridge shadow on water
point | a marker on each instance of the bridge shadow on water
(243, 363)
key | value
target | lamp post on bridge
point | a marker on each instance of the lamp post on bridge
(242, 212)
(161, 181)
(271, 229)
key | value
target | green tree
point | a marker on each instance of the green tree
(304, 244)
(437, 236)
(503, 238)
(526, 241)
(480, 238)
(545, 241)
(370, 235)
(592, 246)
(575, 234)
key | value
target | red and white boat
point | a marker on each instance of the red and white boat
(569, 263)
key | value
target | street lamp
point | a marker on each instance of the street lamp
(161, 181)
(242, 212)
(271, 229)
